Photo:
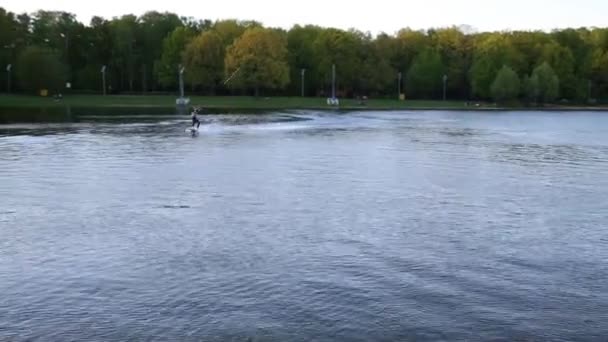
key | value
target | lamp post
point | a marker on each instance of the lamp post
(445, 81)
(302, 73)
(399, 75)
(67, 59)
(181, 70)
(333, 81)
(8, 79)
(103, 79)
(9, 66)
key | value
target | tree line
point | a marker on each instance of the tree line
(143, 54)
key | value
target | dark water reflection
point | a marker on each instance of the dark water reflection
(306, 226)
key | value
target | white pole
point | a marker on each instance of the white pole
(181, 70)
(103, 79)
(333, 81)
(8, 80)
(303, 72)
(399, 85)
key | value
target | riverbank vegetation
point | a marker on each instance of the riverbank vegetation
(142, 55)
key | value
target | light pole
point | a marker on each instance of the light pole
(8, 79)
(67, 59)
(589, 92)
(303, 72)
(9, 66)
(333, 81)
(181, 70)
(103, 79)
(445, 81)
(399, 75)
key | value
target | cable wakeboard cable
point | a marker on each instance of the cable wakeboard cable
(232, 76)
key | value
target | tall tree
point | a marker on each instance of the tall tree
(230, 30)
(197, 25)
(491, 52)
(152, 28)
(599, 66)
(204, 61)
(561, 60)
(576, 41)
(40, 68)
(543, 86)
(454, 47)
(424, 79)
(8, 27)
(530, 89)
(260, 55)
(173, 48)
(61, 32)
(376, 75)
(125, 54)
(300, 40)
(142, 53)
(339, 48)
(506, 85)
(8, 42)
(408, 44)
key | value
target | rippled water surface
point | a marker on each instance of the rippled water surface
(306, 226)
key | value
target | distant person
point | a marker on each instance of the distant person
(195, 119)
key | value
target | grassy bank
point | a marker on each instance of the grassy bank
(167, 102)
(238, 102)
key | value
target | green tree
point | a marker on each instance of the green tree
(339, 48)
(530, 88)
(204, 61)
(491, 52)
(376, 75)
(599, 66)
(8, 42)
(142, 53)
(301, 55)
(125, 53)
(387, 46)
(100, 37)
(529, 47)
(8, 26)
(561, 60)
(173, 47)
(408, 44)
(424, 79)
(543, 86)
(40, 68)
(197, 25)
(454, 48)
(230, 30)
(260, 55)
(62, 32)
(506, 85)
(577, 42)
(152, 28)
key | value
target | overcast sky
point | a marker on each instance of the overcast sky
(374, 16)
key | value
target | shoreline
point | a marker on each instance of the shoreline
(27, 108)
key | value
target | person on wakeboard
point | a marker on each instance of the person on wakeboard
(195, 119)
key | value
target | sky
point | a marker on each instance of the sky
(374, 16)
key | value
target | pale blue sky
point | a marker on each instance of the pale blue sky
(373, 16)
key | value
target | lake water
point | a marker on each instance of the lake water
(363, 226)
